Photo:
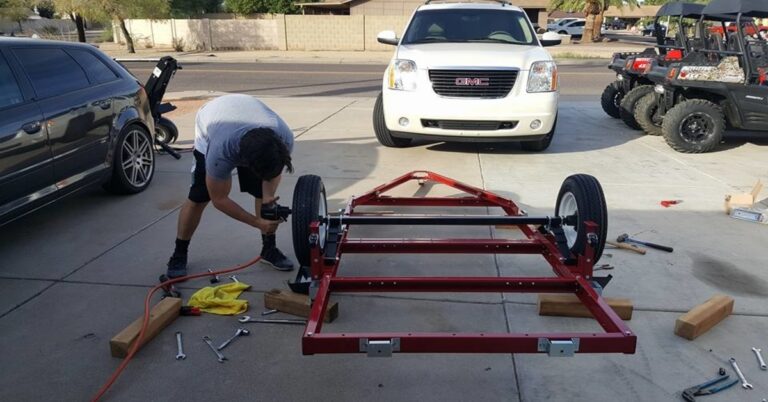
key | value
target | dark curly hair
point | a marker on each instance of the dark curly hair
(264, 153)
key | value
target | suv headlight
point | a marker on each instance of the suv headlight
(542, 77)
(402, 75)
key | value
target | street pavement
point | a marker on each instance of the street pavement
(75, 273)
(578, 81)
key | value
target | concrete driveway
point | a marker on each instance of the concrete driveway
(74, 274)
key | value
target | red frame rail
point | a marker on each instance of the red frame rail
(575, 278)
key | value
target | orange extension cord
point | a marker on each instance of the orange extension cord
(132, 351)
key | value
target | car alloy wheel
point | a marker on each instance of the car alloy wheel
(137, 158)
(696, 127)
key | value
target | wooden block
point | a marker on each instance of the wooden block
(296, 304)
(160, 316)
(568, 305)
(703, 317)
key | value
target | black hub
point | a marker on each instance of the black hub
(696, 127)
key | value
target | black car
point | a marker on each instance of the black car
(70, 117)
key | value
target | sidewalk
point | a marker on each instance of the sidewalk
(571, 54)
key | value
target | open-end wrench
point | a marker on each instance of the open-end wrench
(233, 278)
(760, 358)
(213, 348)
(246, 319)
(180, 353)
(744, 383)
(239, 332)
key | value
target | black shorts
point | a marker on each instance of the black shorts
(198, 191)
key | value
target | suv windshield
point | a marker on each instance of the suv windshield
(468, 25)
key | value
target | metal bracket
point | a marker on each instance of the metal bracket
(380, 348)
(601, 281)
(559, 348)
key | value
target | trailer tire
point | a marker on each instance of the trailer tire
(681, 133)
(610, 100)
(383, 134)
(646, 114)
(309, 204)
(582, 195)
(628, 103)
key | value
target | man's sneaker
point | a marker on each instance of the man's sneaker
(177, 266)
(274, 257)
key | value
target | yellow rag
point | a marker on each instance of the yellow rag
(221, 299)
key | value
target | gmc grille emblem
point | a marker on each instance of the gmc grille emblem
(476, 82)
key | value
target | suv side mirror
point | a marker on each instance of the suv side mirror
(550, 39)
(388, 38)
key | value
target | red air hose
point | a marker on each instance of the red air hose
(135, 347)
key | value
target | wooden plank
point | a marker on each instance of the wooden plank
(296, 304)
(160, 316)
(568, 305)
(703, 317)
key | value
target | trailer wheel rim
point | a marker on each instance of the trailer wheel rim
(696, 127)
(137, 158)
(322, 210)
(569, 207)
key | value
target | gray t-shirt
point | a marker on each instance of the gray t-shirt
(222, 122)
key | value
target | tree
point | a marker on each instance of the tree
(15, 10)
(45, 9)
(594, 10)
(120, 10)
(246, 7)
(191, 8)
(74, 9)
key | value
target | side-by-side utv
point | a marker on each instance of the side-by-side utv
(630, 66)
(724, 83)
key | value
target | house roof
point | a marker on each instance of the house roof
(326, 4)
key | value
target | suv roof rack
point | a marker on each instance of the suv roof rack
(502, 2)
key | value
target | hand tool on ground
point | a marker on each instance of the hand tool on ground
(213, 348)
(669, 203)
(239, 332)
(744, 383)
(625, 246)
(168, 290)
(233, 278)
(190, 310)
(604, 267)
(625, 238)
(691, 393)
(180, 349)
(268, 312)
(214, 278)
(760, 358)
(246, 319)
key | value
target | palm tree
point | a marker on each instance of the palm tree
(594, 10)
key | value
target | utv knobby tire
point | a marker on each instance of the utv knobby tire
(674, 135)
(628, 103)
(645, 114)
(309, 202)
(380, 127)
(610, 100)
(587, 194)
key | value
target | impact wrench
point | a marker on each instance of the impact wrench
(625, 238)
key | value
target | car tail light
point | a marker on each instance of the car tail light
(675, 54)
(672, 74)
(641, 63)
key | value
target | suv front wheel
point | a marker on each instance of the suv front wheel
(380, 127)
(133, 163)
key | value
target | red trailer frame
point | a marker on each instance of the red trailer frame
(573, 274)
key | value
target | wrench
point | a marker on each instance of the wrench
(760, 358)
(744, 383)
(180, 354)
(213, 348)
(246, 319)
(239, 332)
(234, 278)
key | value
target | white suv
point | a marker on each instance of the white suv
(468, 72)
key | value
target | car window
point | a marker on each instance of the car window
(577, 24)
(10, 93)
(468, 25)
(52, 71)
(95, 69)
